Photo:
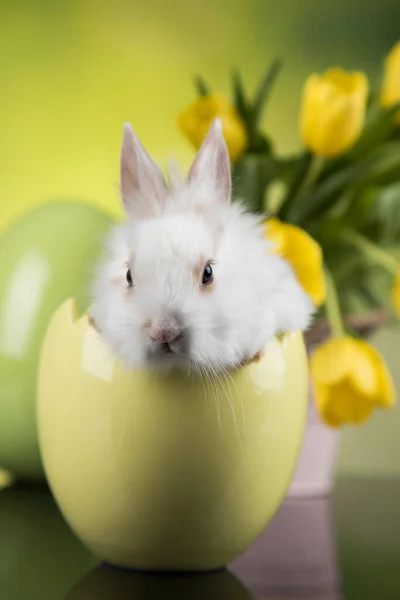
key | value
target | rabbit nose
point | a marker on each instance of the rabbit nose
(165, 332)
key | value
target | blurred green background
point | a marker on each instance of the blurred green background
(72, 72)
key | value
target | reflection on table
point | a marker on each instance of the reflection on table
(295, 557)
(299, 556)
(41, 558)
(39, 555)
(107, 583)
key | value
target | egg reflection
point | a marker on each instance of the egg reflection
(106, 583)
(295, 558)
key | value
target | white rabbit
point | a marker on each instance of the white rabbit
(189, 279)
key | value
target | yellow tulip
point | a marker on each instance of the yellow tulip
(5, 478)
(302, 252)
(390, 93)
(350, 379)
(396, 293)
(333, 111)
(196, 120)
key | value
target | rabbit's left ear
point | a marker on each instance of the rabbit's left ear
(211, 167)
(142, 183)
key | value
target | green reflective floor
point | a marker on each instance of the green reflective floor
(346, 547)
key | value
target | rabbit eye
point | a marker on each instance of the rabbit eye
(207, 275)
(129, 277)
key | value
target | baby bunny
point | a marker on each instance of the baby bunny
(189, 279)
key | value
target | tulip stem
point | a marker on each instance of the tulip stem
(310, 177)
(314, 169)
(371, 251)
(332, 306)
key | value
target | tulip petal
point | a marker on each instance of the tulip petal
(390, 93)
(342, 403)
(385, 394)
(350, 379)
(322, 402)
(305, 256)
(396, 293)
(333, 110)
(347, 83)
(364, 373)
(274, 231)
(303, 253)
(343, 124)
(196, 120)
(310, 110)
(332, 361)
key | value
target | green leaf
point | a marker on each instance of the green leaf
(387, 211)
(264, 89)
(288, 164)
(394, 250)
(395, 134)
(293, 172)
(368, 295)
(328, 192)
(372, 99)
(381, 165)
(346, 266)
(239, 97)
(250, 177)
(361, 211)
(259, 144)
(380, 284)
(378, 128)
(201, 86)
(386, 167)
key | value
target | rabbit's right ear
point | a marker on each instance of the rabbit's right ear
(142, 183)
(211, 166)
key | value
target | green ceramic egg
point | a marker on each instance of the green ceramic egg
(45, 257)
(166, 472)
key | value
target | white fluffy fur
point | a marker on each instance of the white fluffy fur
(254, 295)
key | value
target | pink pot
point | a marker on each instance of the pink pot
(314, 472)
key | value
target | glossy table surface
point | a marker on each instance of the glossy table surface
(343, 547)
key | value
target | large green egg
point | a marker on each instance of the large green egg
(45, 257)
